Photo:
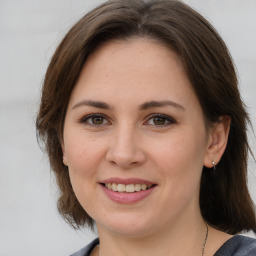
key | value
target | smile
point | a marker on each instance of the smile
(129, 188)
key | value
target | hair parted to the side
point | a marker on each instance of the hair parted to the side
(224, 198)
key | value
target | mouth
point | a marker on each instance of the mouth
(127, 188)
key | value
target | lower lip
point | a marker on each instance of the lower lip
(127, 198)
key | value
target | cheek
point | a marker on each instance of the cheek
(181, 156)
(181, 166)
(84, 155)
(82, 164)
(81, 152)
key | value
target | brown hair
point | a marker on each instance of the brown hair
(224, 198)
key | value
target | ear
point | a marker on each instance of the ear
(64, 159)
(217, 141)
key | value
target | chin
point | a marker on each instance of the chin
(129, 226)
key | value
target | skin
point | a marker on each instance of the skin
(127, 141)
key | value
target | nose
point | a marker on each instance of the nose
(125, 149)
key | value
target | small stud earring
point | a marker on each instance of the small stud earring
(214, 165)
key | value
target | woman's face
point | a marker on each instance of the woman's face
(134, 124)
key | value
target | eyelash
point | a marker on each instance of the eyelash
(167, 120)
(86, 119)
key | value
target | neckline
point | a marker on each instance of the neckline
(227, 247)
(230, 245)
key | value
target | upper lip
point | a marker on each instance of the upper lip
(127, 181)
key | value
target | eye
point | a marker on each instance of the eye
(160, 120)
(95, 120)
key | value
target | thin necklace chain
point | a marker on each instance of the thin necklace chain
(205, 239)
(204, 244)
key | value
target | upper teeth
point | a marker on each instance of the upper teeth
(130, 188)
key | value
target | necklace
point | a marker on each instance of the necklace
(205, 239)
(204, 243)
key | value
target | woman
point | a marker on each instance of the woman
(146, 133)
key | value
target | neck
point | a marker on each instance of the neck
(179, 239)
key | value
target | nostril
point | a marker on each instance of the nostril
(125, 158)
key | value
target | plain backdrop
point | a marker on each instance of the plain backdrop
(29, 33)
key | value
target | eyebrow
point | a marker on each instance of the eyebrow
(156, 104)
(144, 106)
(92, 103)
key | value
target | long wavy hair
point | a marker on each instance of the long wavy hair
(224, 198)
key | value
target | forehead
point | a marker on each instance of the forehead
(133, 72)
(126, 75)
(141, 51)
(133, 61)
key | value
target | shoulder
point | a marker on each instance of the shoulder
(238, 245)
(86, 251)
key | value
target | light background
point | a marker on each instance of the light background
(29, 32)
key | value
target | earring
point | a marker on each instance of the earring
(214, 165)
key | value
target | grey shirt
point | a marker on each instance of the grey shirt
(236, 246)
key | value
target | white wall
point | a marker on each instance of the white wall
(29, 33)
